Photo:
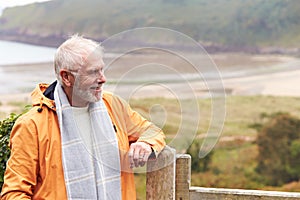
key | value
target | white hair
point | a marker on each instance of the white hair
(72, 54)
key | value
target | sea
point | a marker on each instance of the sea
(19, 53)
(22, 66)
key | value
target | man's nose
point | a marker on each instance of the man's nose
(101, 78)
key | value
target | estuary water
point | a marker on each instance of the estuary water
(19, 53)
(22, 66)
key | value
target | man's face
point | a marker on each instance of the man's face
(89, 80)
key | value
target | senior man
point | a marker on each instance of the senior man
(78, 141)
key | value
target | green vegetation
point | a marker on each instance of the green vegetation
(198, 165)
(278, 150)
(234, 161)
(236, 23)
(5, 128)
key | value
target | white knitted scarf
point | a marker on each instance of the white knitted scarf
(88, 175)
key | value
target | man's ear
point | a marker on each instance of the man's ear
(67, 77)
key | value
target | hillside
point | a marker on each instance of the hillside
(220, 24)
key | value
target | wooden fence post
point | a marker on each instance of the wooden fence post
(183, 177)
(160, 183)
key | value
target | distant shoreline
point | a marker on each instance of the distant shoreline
(274, 75)
(56, 40)
(47, 41)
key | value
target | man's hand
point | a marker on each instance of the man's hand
(139, 153)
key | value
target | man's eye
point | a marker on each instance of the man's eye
(93, 72)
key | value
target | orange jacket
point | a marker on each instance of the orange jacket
(34, 170)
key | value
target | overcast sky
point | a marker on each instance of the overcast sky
(10, 3)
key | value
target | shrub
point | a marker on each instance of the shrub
(197, 164)
(5, 129)
(278, 146)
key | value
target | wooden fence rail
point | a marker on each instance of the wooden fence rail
(169, 177)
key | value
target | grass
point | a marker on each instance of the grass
(231, 167)
(242, 112)
(3, 115)
(18, 104)
(233, 160)
(140, 184)
(14, 107)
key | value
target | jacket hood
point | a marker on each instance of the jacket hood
(42, 95)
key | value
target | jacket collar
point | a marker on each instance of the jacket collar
(43, 95)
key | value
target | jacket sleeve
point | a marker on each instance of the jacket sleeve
(21, 171)
(140, 129)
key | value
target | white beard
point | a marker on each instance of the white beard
(85, 95)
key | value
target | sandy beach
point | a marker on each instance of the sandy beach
(239, 75)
